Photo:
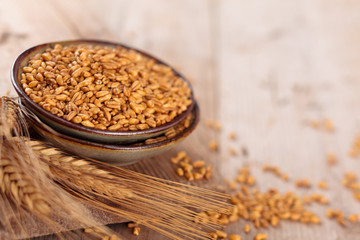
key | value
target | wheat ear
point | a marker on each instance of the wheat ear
(13, 180)
(26, 191)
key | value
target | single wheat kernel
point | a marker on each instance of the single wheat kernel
(209, 123)
(285, 177)
(217, 126)
(198, 164)
(209, 171)
(341, 221)
(170, 133)
(198, 176)
(260, 236)
(213, 145)
(181, 155)
(329, 126)
(355, 148)
(221, 234)
(187, 160)
(274, 221)
(202, 171)
(223, 221)
(174, 160)
(357, 196)
(307, 199)
(322, 185)
(304, 183)
(351, 176)
(180, 172)
(187, 166)
(315, 220)
(136, 231)
(234, 237)
(232, 136)
(331, 159)
(355, 186)
(256, 223)
(247, 228)
(88, 230)
(132, 225)
(329, 213)
(232, 151)
(314, 123)
(241, 178)
(87, 123)
(353, 218)
(264, 223)
(99, 229)
(232, 185)
(250, 180)
(189, 176)
(353, 152)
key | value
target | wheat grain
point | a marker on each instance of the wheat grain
(191, 170)
(234, 237)
(117, 84)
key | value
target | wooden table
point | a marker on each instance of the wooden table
(262, 68)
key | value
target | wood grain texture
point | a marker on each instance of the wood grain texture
(263, 68)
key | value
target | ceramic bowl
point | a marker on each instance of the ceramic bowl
(77, 130)
(116, 154)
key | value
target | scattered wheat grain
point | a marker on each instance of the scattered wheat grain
(260, 236)
(110, 81)
(234, 237)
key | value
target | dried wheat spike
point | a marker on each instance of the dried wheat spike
(82, 172)
(20, 188)
(9, 116)
(14, 181)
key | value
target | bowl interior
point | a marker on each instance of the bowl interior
(76, 129)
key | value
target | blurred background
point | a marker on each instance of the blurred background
(276, 73)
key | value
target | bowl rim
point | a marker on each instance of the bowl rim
(26, 53)
(182, 135)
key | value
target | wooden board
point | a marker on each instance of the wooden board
(264, 69)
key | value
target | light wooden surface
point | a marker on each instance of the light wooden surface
(263, 68)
